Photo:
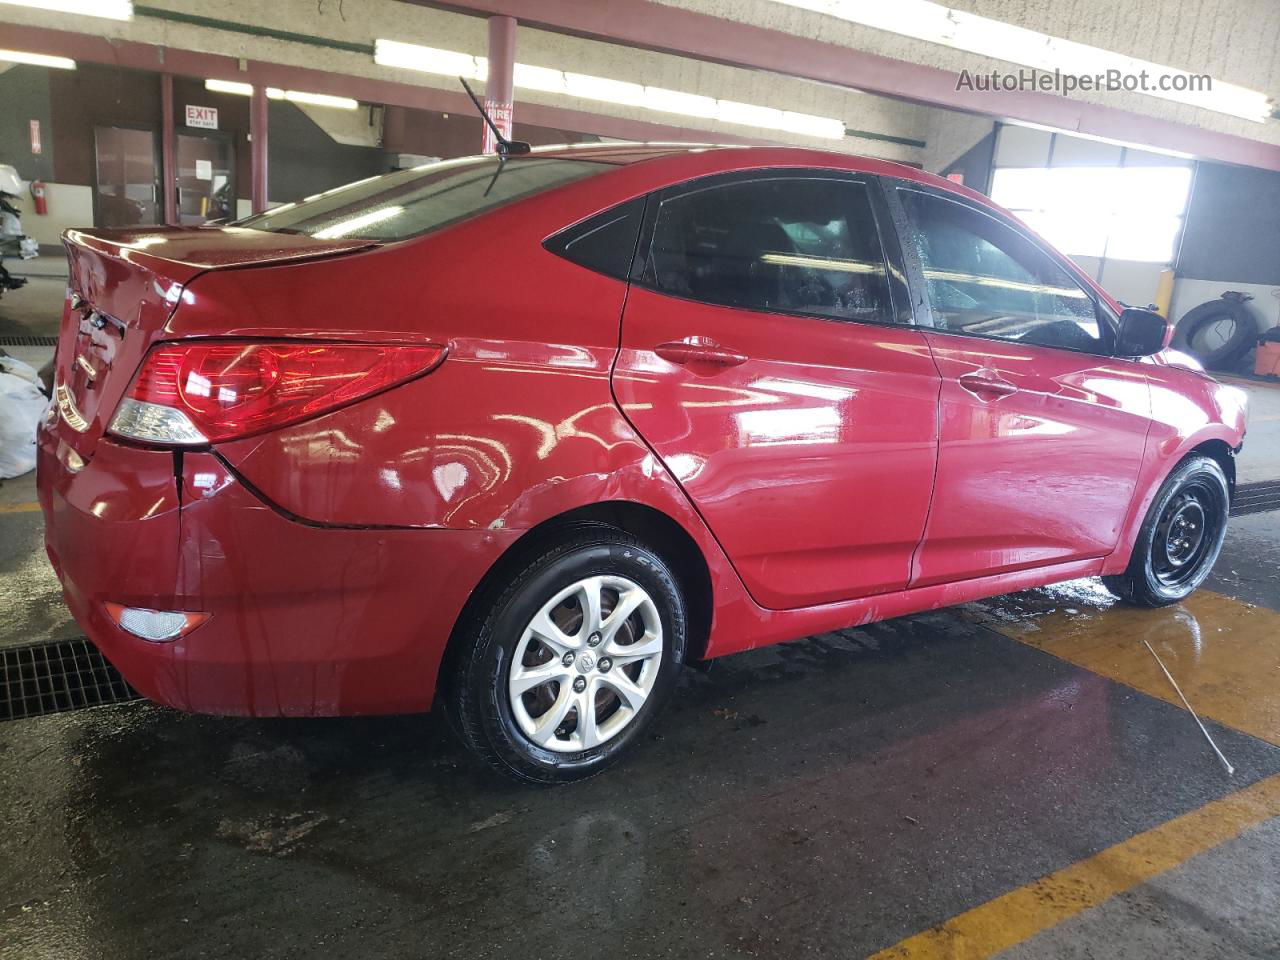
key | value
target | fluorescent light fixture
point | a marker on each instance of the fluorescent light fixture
(607, 91)
(935, 23)
(229, 86)
(812, 126)
(111, 9)
(314, 99)
(412, 56)
(275, 93)
(744, 113)
(526, 76)
(36, 59)
(344, 227)
(543, 79)
(685, 104)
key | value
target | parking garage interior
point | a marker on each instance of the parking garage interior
(1045, 774)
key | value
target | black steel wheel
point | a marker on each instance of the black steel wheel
(1180, 538)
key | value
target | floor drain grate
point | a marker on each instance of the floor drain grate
(19, 341)
(54, 677)
(1256, 498)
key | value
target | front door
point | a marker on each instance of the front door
(1042, 430)
(126, 177)
(761, 362)
(206, 178)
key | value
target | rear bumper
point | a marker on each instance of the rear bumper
(303, 620)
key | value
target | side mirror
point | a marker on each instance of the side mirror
(1142, 333)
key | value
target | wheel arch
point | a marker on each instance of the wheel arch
(652, 526)
(1214, 447)
(1220, 451)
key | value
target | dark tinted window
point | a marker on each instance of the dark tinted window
(606, 242)
(985, 278)
(797, 245)
(411, 202)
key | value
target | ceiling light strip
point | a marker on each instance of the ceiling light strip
(36, 59)
(275, 93)
(411, 56)
(960, 30)
(109, 9)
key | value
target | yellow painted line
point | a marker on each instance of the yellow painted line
(1020, 914)
(19, 507)
(1224, 653)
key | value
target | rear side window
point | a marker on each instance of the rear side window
(412, 202)
(985, 278)
(604, 243)
(794, 245)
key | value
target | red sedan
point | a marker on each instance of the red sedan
(527, 437)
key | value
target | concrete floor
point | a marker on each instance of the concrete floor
(1012, 777)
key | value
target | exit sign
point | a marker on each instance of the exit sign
(206, 117)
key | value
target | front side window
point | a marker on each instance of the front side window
(412, 202)
(985, 278)
(792, 245)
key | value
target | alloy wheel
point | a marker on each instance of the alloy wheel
(585, 664)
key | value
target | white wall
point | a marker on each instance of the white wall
(949, 135)
(70, 205)
(1130, 281)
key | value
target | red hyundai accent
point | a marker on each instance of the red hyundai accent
(527, 437)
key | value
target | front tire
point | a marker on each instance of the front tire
(572, 660)
(1180, 538)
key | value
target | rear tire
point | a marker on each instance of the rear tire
(549, 687)
(1180, 538)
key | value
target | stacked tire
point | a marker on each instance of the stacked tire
(1229, 308)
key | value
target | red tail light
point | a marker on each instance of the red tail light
(210, 391)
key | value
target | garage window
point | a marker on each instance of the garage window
(1100, 203)
(986, 279)
(794, 245)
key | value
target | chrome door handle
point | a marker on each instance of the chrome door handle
(986, 386)
(699, 350)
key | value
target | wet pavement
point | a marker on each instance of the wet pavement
(1013, 775)
(833, 796)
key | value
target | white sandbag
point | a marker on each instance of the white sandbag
(21, 406)
(15, 366)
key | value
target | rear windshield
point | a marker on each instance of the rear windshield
(411, 202)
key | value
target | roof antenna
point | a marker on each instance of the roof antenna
(506, 148)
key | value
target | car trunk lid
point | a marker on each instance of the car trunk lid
(123, 287)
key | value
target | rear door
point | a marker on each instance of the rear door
(763, 360)
(1042, 429)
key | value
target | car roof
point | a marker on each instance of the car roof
(680, 161)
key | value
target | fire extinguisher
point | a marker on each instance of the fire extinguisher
(37, 194)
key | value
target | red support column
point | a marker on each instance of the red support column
(258, 147)
(168, 167)
(499, 91)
